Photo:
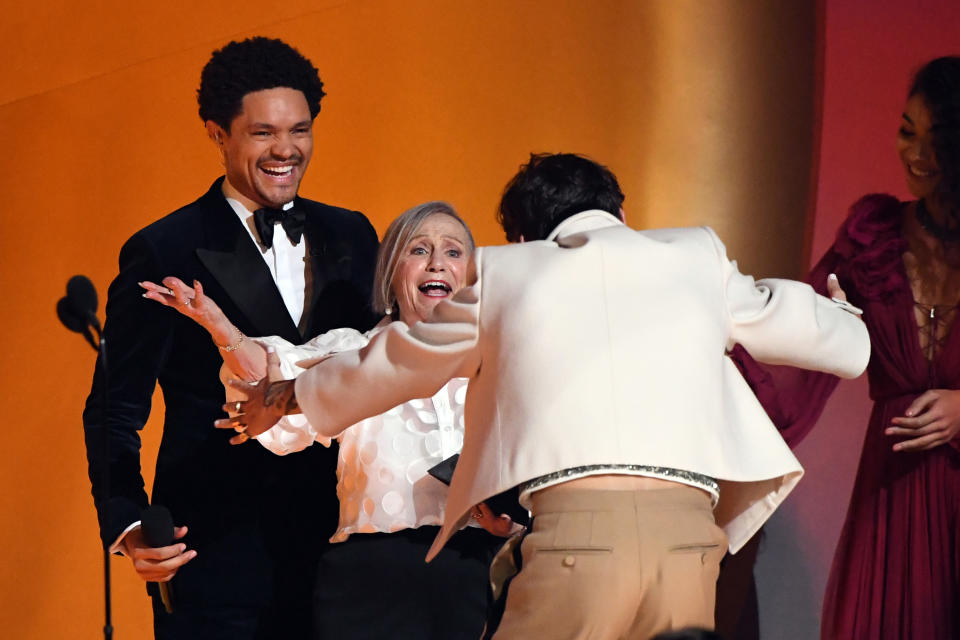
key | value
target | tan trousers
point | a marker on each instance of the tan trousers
(615, 564)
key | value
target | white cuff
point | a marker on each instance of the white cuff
(117, 546)
(846, 306)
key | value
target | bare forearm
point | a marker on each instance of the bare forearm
(245, 358)
(282, 396)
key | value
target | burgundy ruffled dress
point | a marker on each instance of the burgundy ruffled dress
(896, 571)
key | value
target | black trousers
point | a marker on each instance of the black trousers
(225, 623)
(377, 585)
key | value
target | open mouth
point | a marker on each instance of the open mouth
(920, 173)
(278, 172)
(435, 288)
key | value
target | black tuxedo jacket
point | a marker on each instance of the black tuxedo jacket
(258, 521)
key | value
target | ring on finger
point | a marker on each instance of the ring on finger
(237, 406)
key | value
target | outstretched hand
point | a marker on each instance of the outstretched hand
(931, 420)
(834, 290)
(267, 401)
(190, 301)
(839, 296)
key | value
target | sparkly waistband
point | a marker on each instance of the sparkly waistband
(690, 478)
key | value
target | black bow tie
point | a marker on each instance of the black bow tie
(291, 219)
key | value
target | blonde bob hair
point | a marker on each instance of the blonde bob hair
(395, 240)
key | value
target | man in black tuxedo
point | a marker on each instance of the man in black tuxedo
(243, 565)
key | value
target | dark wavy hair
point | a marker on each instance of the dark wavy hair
(938, 83)
(552, 187)
(252, 65)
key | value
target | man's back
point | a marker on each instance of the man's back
(606, 346)
(602, 352)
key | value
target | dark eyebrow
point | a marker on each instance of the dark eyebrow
(907, 118)
(270, 127)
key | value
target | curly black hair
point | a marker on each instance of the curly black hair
(552, 187)
(938, 82)
(252, 65)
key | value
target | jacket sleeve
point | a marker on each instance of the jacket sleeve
(138, 336)
(793, 398)
(401, 363)
(784, 322)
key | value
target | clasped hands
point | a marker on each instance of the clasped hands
(267, 401)
(931, 420)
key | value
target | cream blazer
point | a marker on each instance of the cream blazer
(602, 345)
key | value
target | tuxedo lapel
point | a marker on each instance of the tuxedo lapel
(328, 256)
(236, 264)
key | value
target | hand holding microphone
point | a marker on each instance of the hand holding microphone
(156, 558)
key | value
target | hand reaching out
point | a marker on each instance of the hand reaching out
(833, 288)
(191, 302)
(839, 296)
(267, 401)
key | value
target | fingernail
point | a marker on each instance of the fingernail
(832, 276)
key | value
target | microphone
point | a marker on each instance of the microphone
(78, 309)
(68, 316)
(157, 525)
(83, 297)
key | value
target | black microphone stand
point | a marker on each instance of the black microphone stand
(76, 318)
(105, 481)
(92, 322)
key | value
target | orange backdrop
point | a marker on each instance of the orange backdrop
(704, 110)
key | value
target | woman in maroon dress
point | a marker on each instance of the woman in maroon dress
(896, 571)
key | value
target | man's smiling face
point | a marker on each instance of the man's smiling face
(268, 147)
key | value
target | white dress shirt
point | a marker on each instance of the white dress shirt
(286, 261)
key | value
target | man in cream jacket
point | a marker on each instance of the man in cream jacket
(599, 383)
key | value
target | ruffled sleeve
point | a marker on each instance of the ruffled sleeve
(869, 249)
(866, 257)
